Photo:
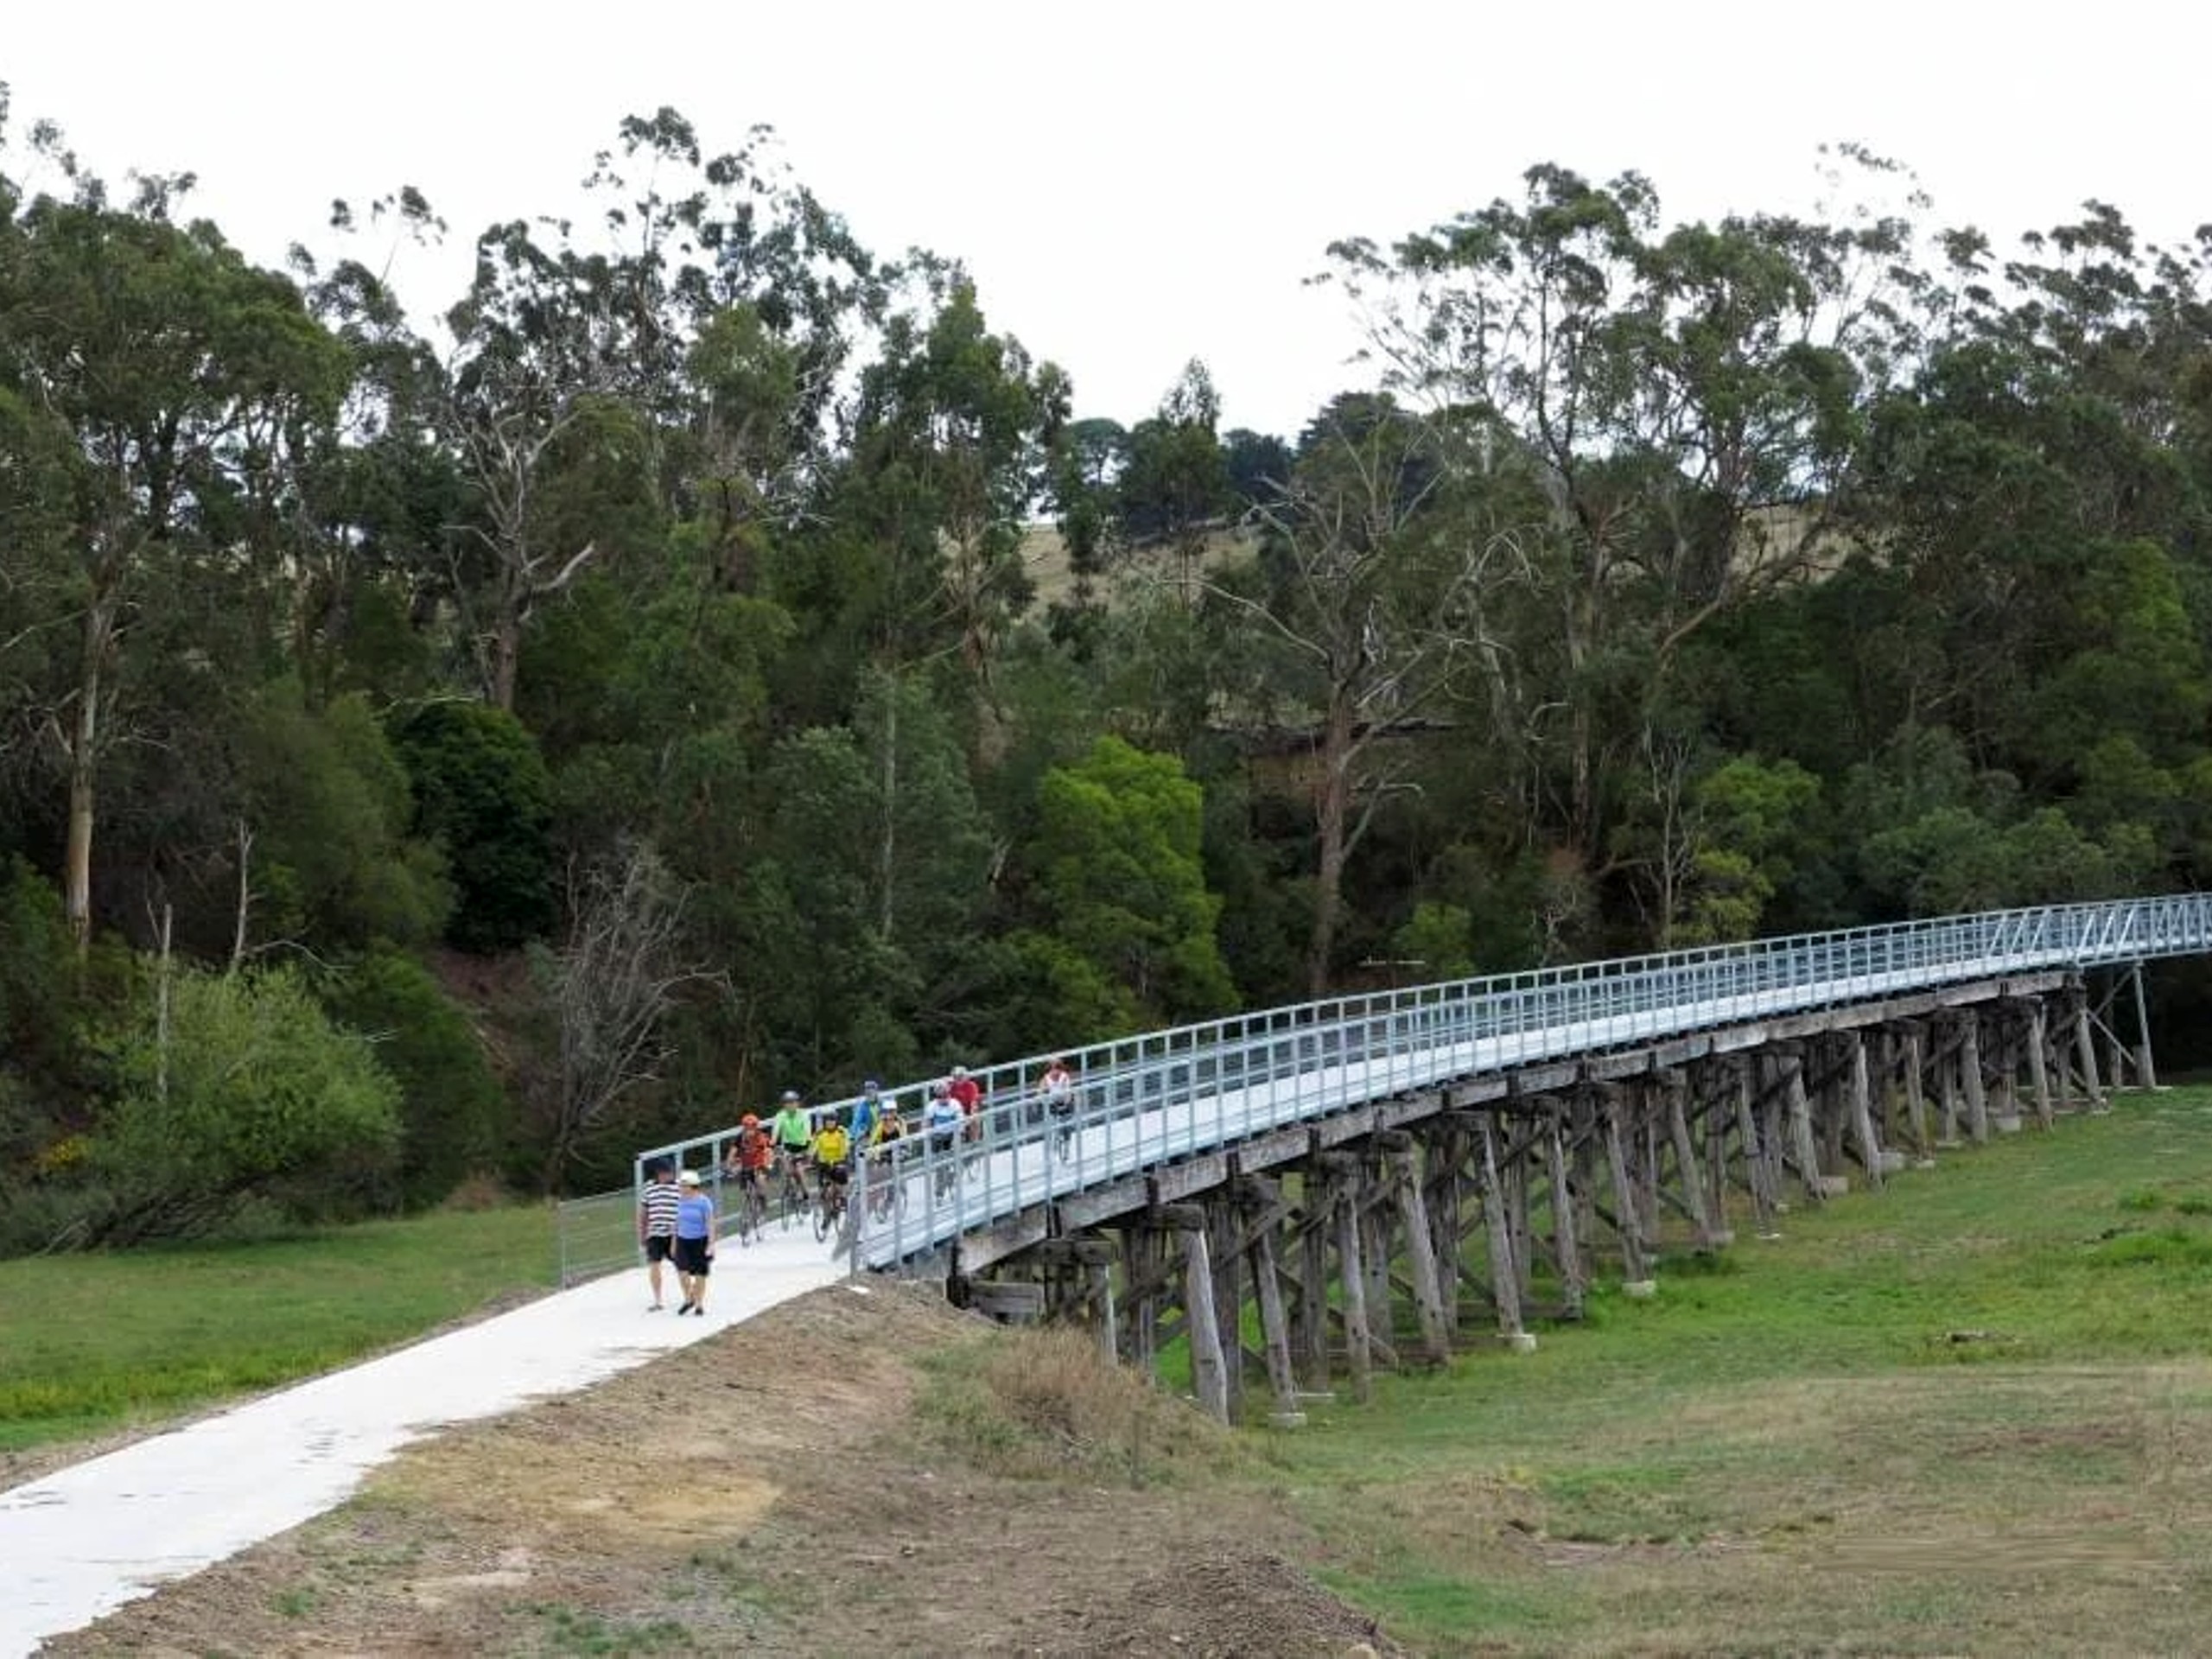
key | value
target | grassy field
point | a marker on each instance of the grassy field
(90, 1344)
(1972, 1414)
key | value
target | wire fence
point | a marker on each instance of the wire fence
(595, 1235)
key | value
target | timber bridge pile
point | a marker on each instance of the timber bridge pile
(1388, 1178)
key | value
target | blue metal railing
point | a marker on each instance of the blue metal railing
(1148, 1099)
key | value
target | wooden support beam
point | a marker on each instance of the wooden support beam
(1758, 1164)
(2038, 1060)
(1862, 1115)
(1635, 1265)
(1950, 1065)
(1352, 1280)
(1313, 1291)
(1801, 1132)
(2085, 1042)
(1567, 1249)
(1274, 1334)
(1209, 1365)
(1420, 1256)
(1504, 1270)
(1100, 1276)
(1225, 1250)
(1970, 1075)
(2147, 1074)
(1687, 1171)
(1915, 1098)
(1010, 1301)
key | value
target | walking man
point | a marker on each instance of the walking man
(657, 1208)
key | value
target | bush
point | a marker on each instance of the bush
(450, 1105)
(482, 794)
(253, 1098)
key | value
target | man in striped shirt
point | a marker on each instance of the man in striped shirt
(657, 1208)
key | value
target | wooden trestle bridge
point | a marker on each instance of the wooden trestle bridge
(1386, 1180)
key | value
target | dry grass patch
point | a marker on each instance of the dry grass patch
(773, 1489)
(1046, 1404)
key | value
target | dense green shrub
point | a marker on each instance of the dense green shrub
(450, 1105)
(332, 857)
(482, 793)
(250, 1096)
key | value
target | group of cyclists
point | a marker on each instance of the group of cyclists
(811, 1156)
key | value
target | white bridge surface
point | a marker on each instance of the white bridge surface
(86, 1538)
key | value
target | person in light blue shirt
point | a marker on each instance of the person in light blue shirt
(694, 1243)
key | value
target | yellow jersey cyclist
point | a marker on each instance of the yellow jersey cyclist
(833, 1151)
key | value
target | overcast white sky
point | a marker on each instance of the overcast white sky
(1133, 184)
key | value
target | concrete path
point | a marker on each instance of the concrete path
(88, 1538)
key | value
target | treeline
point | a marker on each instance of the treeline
(476, 751)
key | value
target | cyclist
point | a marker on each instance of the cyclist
(754, 1152)
(833, 1151)
(968, 1094)
(792, 1131)
(886, 1139)
(940, 1120)
(1057, 1090)
(866, 1112)
(888, 1125)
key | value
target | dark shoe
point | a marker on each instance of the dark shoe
(682, 1311)
(701, 1312)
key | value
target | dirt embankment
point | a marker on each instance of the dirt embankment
(865, 1473)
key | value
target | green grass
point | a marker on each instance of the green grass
(91, 1344)
(1970, 1414)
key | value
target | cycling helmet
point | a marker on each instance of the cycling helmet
(790, 1094)
(871, 1085)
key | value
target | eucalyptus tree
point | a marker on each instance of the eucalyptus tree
(1174, 491)
(952, 429)
(1377, 584)
(571, 398)
(158, 362)
(1688, 400)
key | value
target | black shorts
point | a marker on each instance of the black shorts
(659, 1246)
(691, 1256)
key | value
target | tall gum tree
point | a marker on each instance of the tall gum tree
(574, 360)
(160, 354)
(1688, 402)
(1381, 561)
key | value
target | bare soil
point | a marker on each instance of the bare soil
(830, 1478)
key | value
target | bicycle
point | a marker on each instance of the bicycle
(945, 1176)
(886, 1184)
(829, 1214)
(750, 1212)
(791, 1196)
